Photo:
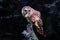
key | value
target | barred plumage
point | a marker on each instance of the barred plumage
(34, 17)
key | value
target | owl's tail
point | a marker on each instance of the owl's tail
(40, 29)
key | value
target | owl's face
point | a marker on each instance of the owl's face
(26, 11)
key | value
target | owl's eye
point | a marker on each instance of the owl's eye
(29, 10)
(25, 10)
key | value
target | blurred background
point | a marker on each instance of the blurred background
(12, 23)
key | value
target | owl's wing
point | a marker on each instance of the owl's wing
(39, 23)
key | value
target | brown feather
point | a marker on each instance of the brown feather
(34, 17)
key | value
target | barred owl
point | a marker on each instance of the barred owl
(34, 17)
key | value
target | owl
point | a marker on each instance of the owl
(34, 17)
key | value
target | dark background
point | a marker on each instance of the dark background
(12, 23)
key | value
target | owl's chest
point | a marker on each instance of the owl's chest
(34, 17)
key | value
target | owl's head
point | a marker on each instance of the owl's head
(26, 11)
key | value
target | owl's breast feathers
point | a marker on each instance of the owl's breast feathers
(36, 19)
(35, 16)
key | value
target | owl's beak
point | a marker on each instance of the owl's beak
(26, 15)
